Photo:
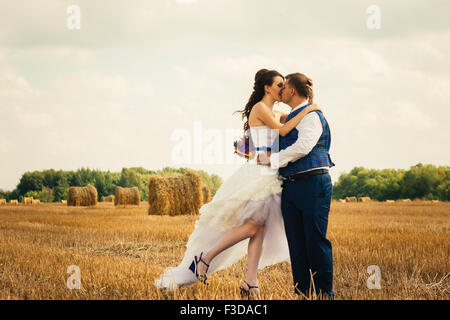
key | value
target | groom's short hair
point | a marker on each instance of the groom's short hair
(301, 83)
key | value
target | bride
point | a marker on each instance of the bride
(244, 216)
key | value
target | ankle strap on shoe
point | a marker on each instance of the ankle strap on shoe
(200, 259)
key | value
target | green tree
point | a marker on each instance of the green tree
(30, 181)
(129, 178)
(33, 194)
(420, 181)
(45, 195)
(51, 185)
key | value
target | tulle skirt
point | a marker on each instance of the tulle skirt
(252, 192)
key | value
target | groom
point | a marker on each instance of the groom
(303, 162)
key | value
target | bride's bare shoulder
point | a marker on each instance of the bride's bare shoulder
(256, 113)
(260, 107)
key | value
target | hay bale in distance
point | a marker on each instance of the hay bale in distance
(27, 200)
(127, 196)
(390, 201)
(350, 199)
(106, 199)
(206, 194)
(364, 199)
(35, 201)
(64, 201)
(341, 200)
(175, 195)
(14, 202)
(405, 200)
(2, 202)
(82, 196)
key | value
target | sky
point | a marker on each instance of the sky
(155, 83)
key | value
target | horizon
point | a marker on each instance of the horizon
(210, 173)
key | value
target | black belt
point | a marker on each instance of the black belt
(303, 175)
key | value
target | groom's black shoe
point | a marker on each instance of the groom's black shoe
(308, 295)
(326, 296)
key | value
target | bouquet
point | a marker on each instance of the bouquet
(244, 147)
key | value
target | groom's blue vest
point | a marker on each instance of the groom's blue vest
(317, 158)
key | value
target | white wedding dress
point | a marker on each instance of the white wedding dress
(254, 192)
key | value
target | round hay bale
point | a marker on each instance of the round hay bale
(206, 194)
(82, 196)
(2, 202)
(27, 200)
(175, 195)
(364, 199)
(35, 201)
(127, 196)
(350, 199)
(158, 195)
(107, 199)
(390, 201)
(64, 201)
(195, 192)
(342, 200)
(14, 202)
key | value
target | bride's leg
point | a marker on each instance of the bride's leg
(254, 254)
(235, 235)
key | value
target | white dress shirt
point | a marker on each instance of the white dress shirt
(309, 132)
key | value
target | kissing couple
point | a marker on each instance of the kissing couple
(273, 208)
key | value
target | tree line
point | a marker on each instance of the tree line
(52, 185)
(422, 181)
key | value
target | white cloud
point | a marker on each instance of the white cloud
(188, 2)
(35, 120)
(193, 79)
(408, 115)
(13, 87)
(6, 145)
(54, 52)
(83, 119)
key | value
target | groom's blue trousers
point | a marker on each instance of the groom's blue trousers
(305, 205)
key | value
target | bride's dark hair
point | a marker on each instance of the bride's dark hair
(262, 78)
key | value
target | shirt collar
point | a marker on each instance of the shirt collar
(300, 105)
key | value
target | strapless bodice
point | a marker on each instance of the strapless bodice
(263, 136)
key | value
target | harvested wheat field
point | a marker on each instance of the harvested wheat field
(120, 252)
